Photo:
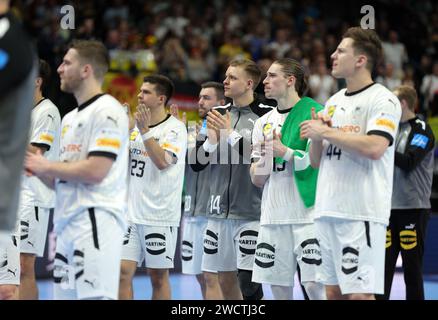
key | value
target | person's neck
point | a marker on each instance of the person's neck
(288, 101)
(37, 97)
(4, 7)
(158, 115)
(359, 81)
(87, 91)
(244, 100)
(406, 116)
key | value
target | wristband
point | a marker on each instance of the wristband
(233, 138)
(208, 147)
(288, 155)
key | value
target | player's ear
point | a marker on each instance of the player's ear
(362, 60)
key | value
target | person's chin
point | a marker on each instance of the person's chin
(64, 88)
(336, 74)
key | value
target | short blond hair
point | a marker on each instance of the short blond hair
(408, 94)
(94, 53)
(251, 69)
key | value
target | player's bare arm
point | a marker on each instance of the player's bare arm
(91, 170)
(312, 129)
(369, 146)
(261, 167)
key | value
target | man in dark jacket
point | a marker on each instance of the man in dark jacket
(410, 212)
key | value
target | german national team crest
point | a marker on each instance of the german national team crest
(134, 135)
(331, 110)
(267, 129)
(64, 130)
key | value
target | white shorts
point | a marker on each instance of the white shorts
(229, 244)
(353, 254)
(10, 262)
(192, 247)
(280, 248)
(155, 245)
(87, 260)
(34, 222)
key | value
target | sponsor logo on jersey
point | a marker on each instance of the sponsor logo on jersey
(170, 147)
(47, 137)
(388, 239)
(386, 123)
(408, 239)
(138, 152)
(211, 242)
(350, 260)
(420, 141)
(265, 256)
(155, 243)
(107, 142)
(248, 241)
(350, 128)
(311, 252)
(112, 120)
(187, 250)
(72, 148)
(410, 226)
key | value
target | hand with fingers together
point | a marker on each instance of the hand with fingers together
(36, 164)
(314, 129)
(218, 124)
(143, 118)
(325, 118)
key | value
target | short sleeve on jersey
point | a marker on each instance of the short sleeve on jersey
(384, 118)
(175, 142)
(44, 131)
(106, 136)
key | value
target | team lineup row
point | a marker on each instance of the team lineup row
(292, 185)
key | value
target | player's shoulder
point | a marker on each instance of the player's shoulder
(107, 104)
(108, 101)
(336, 97)
(383, 97)
(265, 118)
(46, 107)
(174, 122)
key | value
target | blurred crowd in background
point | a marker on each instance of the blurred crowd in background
(192, 41)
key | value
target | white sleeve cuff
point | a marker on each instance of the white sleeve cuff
(208, 147)
(288, 155)
(233, 138)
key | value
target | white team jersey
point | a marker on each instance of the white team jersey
(351, 186)
(281, 201)
(45, 129)
(98, 127)
(155, 195)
